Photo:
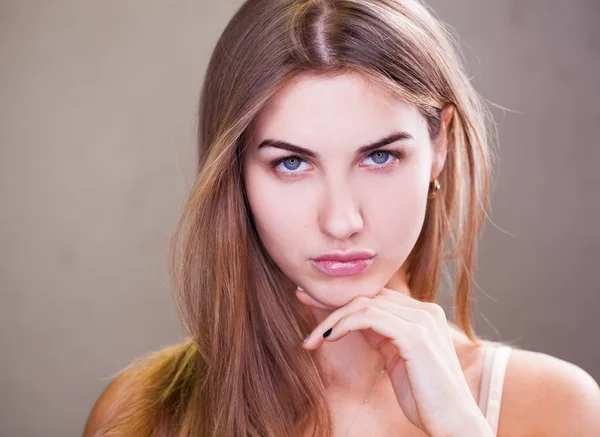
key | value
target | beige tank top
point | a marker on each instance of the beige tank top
(492, 381)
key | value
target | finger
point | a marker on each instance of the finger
(406, 313)
(427, 314)
(317, 333)
(383, 345)
(433, 309)
(405, 336)
(390, 355)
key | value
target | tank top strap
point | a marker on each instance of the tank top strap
(492, 382)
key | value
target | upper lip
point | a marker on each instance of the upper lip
(346, 256)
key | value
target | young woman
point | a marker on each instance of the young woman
(343, 160)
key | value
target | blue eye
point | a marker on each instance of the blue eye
(380, 157)
(294, 162)
(290, 163)
(380, 152)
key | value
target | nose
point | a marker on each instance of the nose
(340, 216)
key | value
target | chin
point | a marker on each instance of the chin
(340, 291)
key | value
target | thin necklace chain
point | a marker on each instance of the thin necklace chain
(364, 401)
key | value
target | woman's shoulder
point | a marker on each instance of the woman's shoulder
(129, 386)
(545, 395)
(541, 394)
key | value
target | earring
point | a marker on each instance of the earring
(434, 187)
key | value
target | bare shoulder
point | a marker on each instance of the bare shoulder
(128, 386)
(547, 396)
(113, 399)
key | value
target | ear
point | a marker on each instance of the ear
(441, 146)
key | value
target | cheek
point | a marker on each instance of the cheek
(400, 222)
(395, 215)
(277, 216)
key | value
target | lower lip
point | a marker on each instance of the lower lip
(340, 268)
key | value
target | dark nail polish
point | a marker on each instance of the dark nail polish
(326, 333)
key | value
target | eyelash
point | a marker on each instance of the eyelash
(398, 154)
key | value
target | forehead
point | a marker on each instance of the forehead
(347, 106)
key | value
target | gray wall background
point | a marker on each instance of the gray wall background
(97, 125)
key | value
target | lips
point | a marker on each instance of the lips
(344, 264)
(346, 256)
(338, 268)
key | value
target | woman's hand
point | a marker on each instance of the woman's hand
(415, 341)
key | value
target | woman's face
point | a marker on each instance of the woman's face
(339, 199)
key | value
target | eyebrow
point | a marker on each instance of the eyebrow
(392, 138)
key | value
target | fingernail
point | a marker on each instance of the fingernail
(300, 288)
(305, 339)
(326, 333)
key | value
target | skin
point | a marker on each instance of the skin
(341, 203)
(305, 207)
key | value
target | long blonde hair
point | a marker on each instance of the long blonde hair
(242, 372)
